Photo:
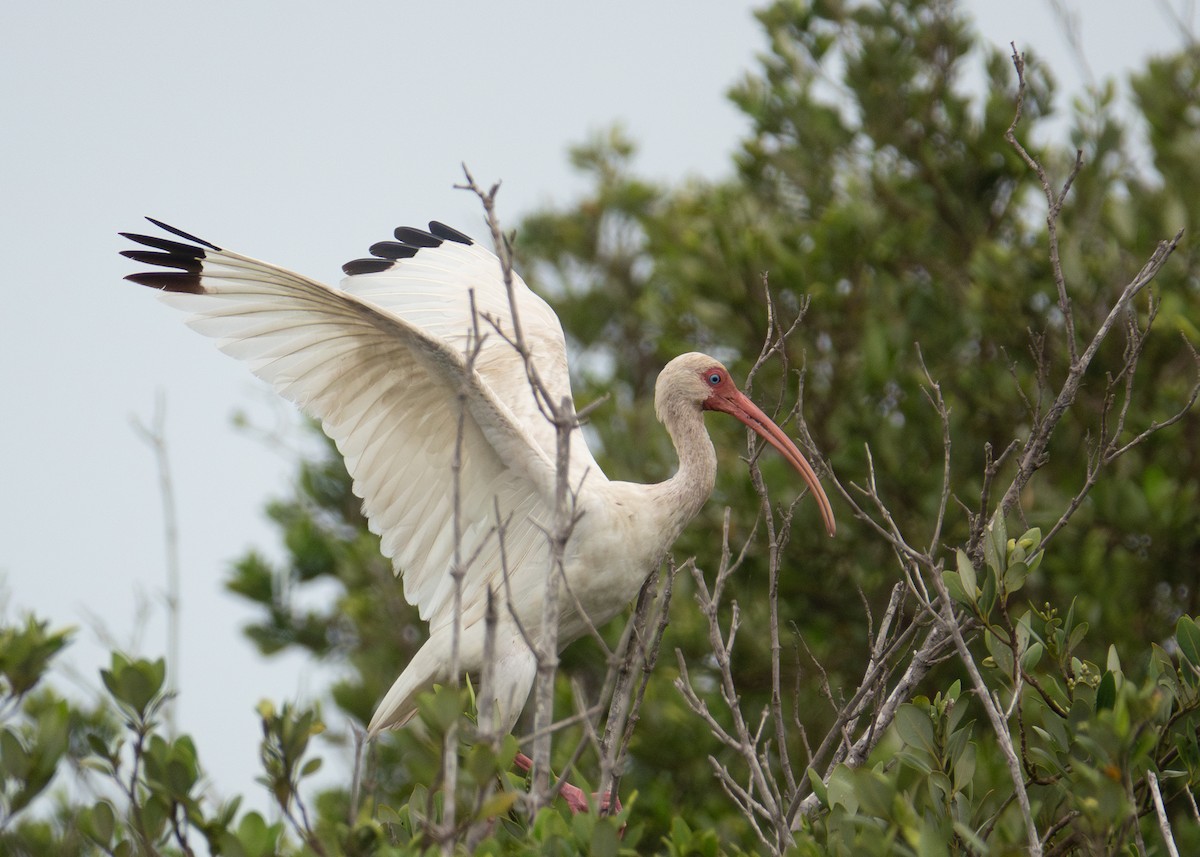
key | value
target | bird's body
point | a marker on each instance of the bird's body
(382, 363)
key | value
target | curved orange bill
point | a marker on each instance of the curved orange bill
(737, 404)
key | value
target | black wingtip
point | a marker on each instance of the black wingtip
(414, 237)
(393, 250)
(173, 247)
(186, 236)
(170, 281)
(409, 243)
(190, 264)
(366, 266)
(165, 253)
(447, 233)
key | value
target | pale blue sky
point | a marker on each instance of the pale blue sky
(300, 133)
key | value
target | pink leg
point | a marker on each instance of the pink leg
(576, 800)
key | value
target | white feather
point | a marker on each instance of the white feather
(382, 363)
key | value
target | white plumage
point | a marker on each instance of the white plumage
(381, 363)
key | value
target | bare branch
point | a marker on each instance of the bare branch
(155, 436)
(642, 645)
(560, 412)
(934, 393)
(999, 724)
(1164, 824)
(1035, 448)
(1054, 202)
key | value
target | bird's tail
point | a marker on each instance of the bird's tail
(400, 703)
(513, 674)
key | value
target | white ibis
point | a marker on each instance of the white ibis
(381, 363)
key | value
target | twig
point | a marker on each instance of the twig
(634, 645)
(934, 393)
(775, 542)
(486, 708)
(1035, 447)
(1164, 824)
(356, 777)
(992, 709)
(927, 655)
(155, 437)
(760, 796)
(1054, 202)
(458, 570)
(560, 412)
(649, 660)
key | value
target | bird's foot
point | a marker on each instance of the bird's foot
(576, 798)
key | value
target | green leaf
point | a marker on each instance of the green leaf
(875, 792)
(1113, 663)
(254, 837)
(681, 834)
(1077, 634)
(987, 595)
(605, 840)
(155, 813)
(26, 652)
(1187, 636)
(101, 749)
(818, 786)
(954, 588)
(110, 677)
(915, 728)
(969, 836)
(966, 573)
(1030, 539)
(963, 768)
(1106, 693)
(181, 778)
(1162, 669)
(1031, 656)
(135, 684)
(253, 579)
(1014, 576)
(98, 822)
(995, 543)
(841, 789)
(1000, 532)
(498, 804)
(1001, 654)
(918, 760)
(1048, 760)
(14, 758)
(1024, 630)
(440, 709)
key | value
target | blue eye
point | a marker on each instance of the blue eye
(714, 378)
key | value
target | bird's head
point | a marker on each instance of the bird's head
(698, 381)
(687, 381)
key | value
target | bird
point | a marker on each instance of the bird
(417, 335)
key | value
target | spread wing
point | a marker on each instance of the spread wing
(381, 364)
(431, 279)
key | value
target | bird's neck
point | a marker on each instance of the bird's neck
(681, 497)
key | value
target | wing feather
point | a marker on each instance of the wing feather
(380, 365)
(433, 290)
